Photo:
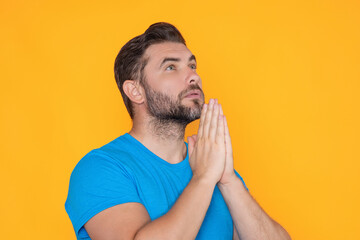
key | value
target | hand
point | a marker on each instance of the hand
(207, 150)
(228, 174)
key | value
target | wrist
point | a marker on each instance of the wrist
(203, 180)
(230, 181)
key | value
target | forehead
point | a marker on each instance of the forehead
(156, 52)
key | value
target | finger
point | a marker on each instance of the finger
(207, 119)
(202, 118)
(220, 135)
(194, 137)
(227, 138)
(191, 144)
(214, 121)
(221, 110)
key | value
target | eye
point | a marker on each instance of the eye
(170, 67)
(193, 66)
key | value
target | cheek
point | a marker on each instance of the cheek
(173, 89)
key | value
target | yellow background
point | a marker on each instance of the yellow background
(286, 72)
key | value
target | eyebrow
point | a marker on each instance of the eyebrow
(192, 57)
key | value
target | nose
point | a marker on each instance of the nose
(192, 77)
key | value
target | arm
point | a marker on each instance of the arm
(235, 234)
(250, 220)
(132, 221)
(184, 219)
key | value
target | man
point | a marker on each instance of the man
(149, 183)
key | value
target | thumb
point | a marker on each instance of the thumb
(191, 144)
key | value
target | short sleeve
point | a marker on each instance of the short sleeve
(237, 174)
(97, 182)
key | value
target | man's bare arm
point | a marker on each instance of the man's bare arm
(235, 234)
(251, 221)
(132, 221)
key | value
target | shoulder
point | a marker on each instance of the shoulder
(98, 162)
(114, 154)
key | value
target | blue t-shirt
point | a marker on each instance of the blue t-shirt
(124, 170)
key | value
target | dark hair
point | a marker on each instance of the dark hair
(130, 62)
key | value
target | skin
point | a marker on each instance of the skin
(210, 154)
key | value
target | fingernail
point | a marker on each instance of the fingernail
(211, 101)
(205, 106)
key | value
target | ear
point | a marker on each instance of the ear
(133, 91)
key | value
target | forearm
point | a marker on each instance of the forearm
(184, 219)
(250, 220)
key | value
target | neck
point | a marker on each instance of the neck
(164, 138)
(167, 130)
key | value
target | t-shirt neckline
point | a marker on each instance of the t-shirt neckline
(145, 150)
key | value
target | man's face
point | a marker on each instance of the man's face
(172, 87)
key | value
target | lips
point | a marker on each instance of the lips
(193, 94)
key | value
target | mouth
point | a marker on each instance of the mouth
(193, 94)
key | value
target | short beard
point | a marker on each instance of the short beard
(170, 117)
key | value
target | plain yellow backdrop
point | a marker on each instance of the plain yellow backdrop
(286, 72)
